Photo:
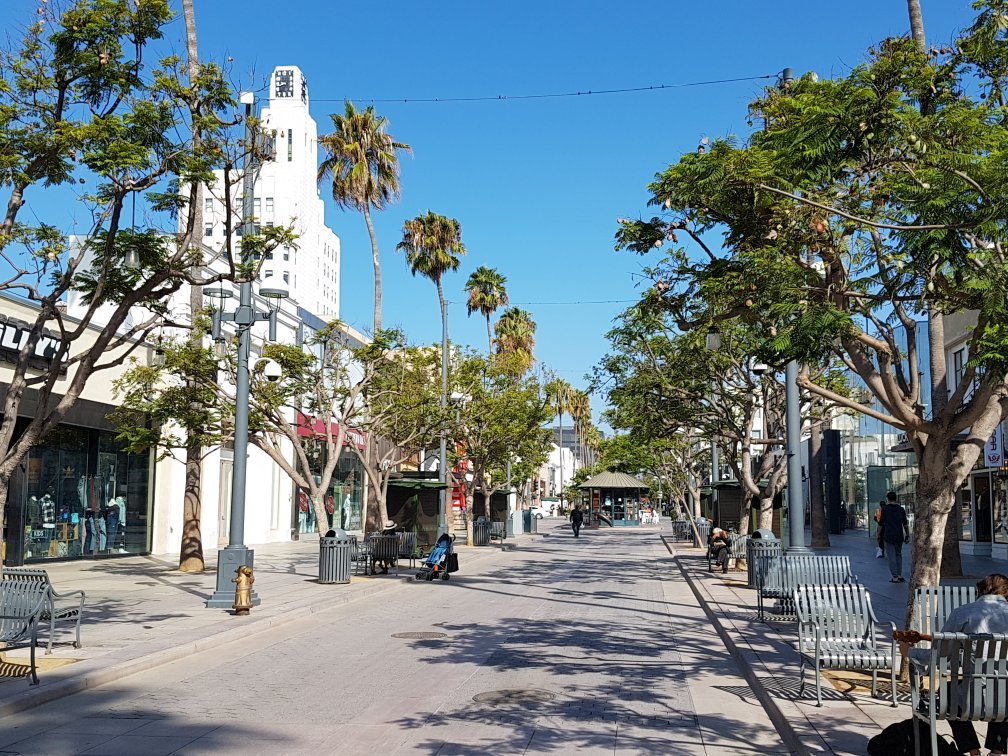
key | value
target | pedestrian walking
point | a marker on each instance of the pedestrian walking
(895, 532)
(880, 551)
(576, 518)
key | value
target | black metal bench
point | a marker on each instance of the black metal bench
(51, 614)
(21, 606)
(407, 548)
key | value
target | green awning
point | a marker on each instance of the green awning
(416, 484)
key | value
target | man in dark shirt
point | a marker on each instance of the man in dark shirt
(576, 518)
(895, 532)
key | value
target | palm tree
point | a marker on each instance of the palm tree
(363, 162)
(516, 335)
(433, 245)
(580, 411)
(486, 294)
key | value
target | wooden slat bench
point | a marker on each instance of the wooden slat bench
(780, 576)
(21, 605)
(51, 613)
(837, 629)
(967, 680)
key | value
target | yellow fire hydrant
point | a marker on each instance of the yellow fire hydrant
(243, 590)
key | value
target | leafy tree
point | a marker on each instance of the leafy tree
(867, 202)
(81, 107)
(402, 408)
(362, 161)
(487, 294)
(327, 386)
(500, 422)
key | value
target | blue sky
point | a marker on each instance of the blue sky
(537, 184)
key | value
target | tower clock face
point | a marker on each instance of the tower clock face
(285, 84)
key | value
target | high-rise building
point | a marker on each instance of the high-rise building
(286, 193)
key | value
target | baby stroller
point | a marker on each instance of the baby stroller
(442, 560)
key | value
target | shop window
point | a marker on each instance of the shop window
(83, 496)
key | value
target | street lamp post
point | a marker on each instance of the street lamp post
(796, 502)
(236, 554)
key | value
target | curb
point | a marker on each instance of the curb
(746, 663)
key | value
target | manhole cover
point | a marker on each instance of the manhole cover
(514, 697)
(420, 636)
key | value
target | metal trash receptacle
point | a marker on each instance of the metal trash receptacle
(760, 551)
(526, 521)
(481, 532)
(334, 559)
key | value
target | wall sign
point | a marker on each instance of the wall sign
(994, 450)
(13, 335)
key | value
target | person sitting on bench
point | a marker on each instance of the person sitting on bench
(718, 547)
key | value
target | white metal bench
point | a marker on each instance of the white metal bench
(932, 604)
(51, 614)
(21, 606)
(782, 575)
(967, 680)
(837, 629)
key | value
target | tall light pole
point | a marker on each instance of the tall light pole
(237, 554)
(713, 343)
(443, 459)
(796, 502)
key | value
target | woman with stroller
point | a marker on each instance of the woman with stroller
(718, 547)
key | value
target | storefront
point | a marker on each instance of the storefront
(78, 495)
(982, 510)
(344, 500)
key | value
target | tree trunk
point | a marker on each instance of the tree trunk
(470, 536)
(951, 562)
(489, 338)
(817, 504)
(377, 270)
(191, 554)
(766, 510)
(321, 516)
(934, 501)
(916, 24)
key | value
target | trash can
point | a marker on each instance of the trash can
(481, 532)
(334, 558)
(526, 521)
(762, 549)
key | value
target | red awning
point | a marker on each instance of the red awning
(315, 426)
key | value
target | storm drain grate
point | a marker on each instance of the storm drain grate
(514, 697)
(420, 635)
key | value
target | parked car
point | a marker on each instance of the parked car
(540, 511)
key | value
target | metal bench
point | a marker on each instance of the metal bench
(681, 530)
(407, 548)
(737, 550)
(51, 614)
(21, 605)
(384, 547)
(837, 629)
(967, 680)
(498, 530)
(780, 576)
(932, 604)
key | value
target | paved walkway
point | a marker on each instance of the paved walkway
(589, 646)
(612, 643)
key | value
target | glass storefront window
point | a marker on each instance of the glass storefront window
(82, 496)
(345, 497)
(1000, 509)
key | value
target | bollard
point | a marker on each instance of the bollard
(243, 590)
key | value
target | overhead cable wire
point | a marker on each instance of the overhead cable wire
(550, 95)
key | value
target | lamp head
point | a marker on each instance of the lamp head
(713, 339)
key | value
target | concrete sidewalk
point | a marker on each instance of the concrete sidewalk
(765, 650)
(141, 612)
